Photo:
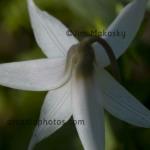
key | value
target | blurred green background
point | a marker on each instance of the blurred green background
(17, 43)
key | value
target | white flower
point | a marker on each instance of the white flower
(69, 94)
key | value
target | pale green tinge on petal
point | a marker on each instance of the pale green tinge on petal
(85, 109)
(128, 21)
(120, 103)
(35, 75)
(49, 32)
(56, 108)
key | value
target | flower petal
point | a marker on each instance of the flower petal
(128, 21)
(119, 102)
(36, 75)
(56, 110)
(49, 32)
(85, 109)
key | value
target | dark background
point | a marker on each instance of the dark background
(17, 43)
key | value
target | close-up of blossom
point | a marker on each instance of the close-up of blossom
(74, 74)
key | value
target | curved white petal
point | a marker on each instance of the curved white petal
(85, 109)
(49, 32)
(119, 102)
(128, 21)
(36, 75)
(56, 110)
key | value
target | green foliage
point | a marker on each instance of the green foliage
(80, 15)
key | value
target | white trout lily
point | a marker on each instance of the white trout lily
(77, 86)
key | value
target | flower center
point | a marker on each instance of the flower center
(81, 57)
